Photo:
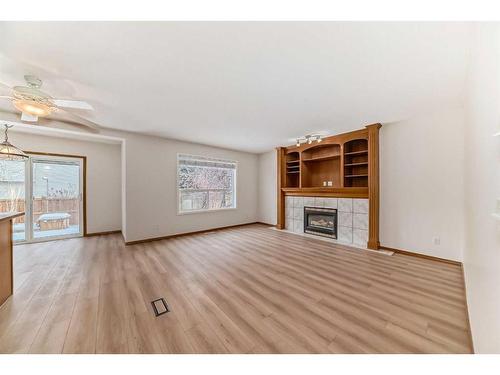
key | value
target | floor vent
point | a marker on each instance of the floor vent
(160, 306)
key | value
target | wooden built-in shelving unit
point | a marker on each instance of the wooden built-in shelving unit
(344, 165)
(292, 169)
(336, 162)
(356, 163)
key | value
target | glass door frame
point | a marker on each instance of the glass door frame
(49, 157)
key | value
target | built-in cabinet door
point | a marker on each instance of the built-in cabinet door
(5, 260)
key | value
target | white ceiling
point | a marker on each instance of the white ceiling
(242, 85)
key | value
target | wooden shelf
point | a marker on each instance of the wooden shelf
(347, 192)
(320, 158)
(355, 164)
(292, 172)
(293, 162)
(356, 175)
(356, 152)
(321, 188)
(320, 163)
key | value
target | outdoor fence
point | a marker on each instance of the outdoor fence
(42, 206)
(199, 199)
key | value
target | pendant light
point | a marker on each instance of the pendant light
(8, 151)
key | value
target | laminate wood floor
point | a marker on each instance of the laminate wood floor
(243, 290)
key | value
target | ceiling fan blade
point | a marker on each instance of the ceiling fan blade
(77, 104)
(27, 117)
(75, 119)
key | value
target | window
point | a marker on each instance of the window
(205, 184)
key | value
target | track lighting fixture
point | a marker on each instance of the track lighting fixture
(309, 139)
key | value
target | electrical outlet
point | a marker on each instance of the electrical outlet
(436, 240)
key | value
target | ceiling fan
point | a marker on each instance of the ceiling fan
(34, 103)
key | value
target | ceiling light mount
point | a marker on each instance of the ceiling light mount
(33, 81)
(309, 139)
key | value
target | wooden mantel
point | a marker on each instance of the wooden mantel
(349, 162)
(6, 256)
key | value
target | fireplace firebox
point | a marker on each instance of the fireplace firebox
(320, 221)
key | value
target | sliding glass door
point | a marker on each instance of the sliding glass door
(56, 204)
(13, 193)
(49, 190)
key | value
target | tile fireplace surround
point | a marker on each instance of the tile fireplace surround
(352, 216)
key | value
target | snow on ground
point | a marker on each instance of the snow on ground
(18, 234)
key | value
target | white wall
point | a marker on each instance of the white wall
(421, 184)
(151, 188)
(268, 188)
(482, 186)
(103, 175)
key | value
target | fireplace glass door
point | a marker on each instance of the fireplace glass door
(320, 221)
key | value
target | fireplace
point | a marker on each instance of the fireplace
(320, 221)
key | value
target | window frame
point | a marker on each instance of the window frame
(235, 184)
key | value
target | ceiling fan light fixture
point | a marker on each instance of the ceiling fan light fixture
(32, 107)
